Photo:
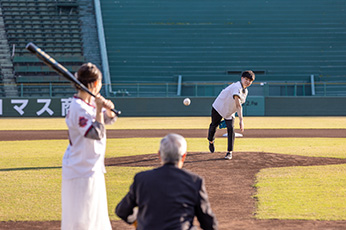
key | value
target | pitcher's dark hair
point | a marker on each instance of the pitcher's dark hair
(248, 74)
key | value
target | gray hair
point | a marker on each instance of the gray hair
(172, 148)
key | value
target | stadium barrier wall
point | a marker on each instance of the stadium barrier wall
(200, 106)
(305, 106)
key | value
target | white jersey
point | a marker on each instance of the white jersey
(84, 156)
(225, 105)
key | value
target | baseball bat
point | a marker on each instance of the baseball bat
(60, 69)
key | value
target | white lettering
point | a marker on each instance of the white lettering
(65, 106)
(45, 108)
(20, 109)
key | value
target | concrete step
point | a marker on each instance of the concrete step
(9, 81)
(5, 65)
(7, 72)
(5, 50)
(4, 55)
(10, 91)
(11, 87)
(11, 94)
(5, 77)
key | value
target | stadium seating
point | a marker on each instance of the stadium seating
(152, 43)
(54, 26)
(49, 24)
(285, 41)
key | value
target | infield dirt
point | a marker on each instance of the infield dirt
(229, 183)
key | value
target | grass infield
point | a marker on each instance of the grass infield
(181, 123)
(35, 193)
(30, 171)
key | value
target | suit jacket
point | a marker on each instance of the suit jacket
(167, 198)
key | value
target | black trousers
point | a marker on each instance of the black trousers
(215, 121)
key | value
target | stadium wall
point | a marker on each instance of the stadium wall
(305, 106)
(200, 106)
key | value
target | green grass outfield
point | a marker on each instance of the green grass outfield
(181, 123)
(310, 193)
(30, 171)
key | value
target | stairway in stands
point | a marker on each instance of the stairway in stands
(6, 66)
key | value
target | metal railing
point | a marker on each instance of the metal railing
(193, 89)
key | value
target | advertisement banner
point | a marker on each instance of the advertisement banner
(34, 107)
(130, 107)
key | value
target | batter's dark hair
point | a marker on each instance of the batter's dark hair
(88, 73)
(248, 74)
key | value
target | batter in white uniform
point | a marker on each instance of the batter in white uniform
(84, 198)
(225, 106)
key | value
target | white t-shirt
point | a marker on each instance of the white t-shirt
(83, 156)
(225, 105)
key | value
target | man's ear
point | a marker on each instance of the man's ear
(159, 155)
(183, 157)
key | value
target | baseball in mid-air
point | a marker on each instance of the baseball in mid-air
(187, 101)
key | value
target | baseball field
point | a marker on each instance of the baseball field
(286, 172)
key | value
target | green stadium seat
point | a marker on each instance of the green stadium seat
(153, 39)
(55, 31)
(41, 20)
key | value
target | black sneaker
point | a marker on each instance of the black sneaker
(211, 147)
(228, 156)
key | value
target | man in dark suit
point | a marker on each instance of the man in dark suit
(168, 197)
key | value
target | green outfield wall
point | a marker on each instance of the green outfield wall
(200, 106)
(305, 106)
